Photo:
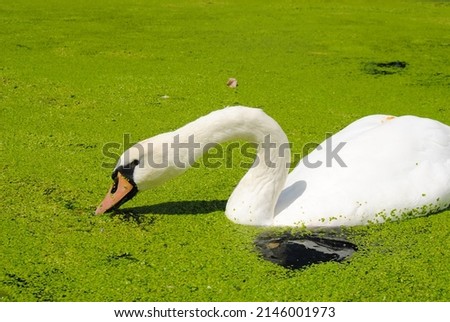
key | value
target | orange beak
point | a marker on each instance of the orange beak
(121, 191)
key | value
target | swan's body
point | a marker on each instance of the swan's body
(388, 167)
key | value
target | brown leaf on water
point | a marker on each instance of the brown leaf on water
(232, 83)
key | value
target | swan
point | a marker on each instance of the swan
(381, 168)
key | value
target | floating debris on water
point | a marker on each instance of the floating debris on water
(232, 83)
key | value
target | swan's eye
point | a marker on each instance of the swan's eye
(128, 170)
(132, 164)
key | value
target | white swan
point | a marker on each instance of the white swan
(383, 167)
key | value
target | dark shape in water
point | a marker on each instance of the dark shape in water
(385, 68)
(298, 251)
(393, 64)
(126, 256)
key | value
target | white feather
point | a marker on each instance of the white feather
(394, 167)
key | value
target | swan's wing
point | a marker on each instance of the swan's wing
(361, 126)
(390, 167)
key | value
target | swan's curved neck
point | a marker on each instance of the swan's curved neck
(254, 199)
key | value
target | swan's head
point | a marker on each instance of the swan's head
(145, 165)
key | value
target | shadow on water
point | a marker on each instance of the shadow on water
(384, 68)
(195, 207)
(288, 250)
(296, 251)
(144, 215)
